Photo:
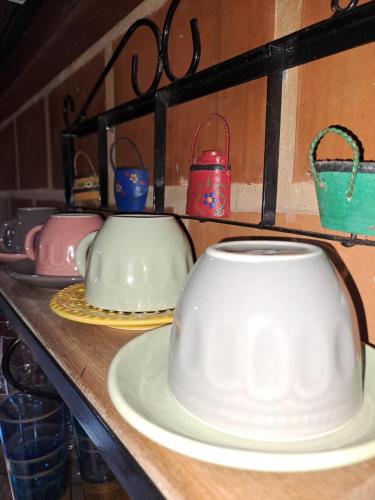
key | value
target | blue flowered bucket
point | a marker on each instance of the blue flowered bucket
(130, 183)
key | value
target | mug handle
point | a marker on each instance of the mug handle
(4, 234)
(8, 375)
(29, 241)
(81, 252)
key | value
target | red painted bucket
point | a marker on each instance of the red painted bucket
(208, 193)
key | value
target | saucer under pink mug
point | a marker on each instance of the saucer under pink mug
(55, 252)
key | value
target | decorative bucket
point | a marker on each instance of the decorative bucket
(130, 183)
(85, 189)
(208, 193)
(345, 189)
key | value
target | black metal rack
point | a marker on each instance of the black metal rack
(349, 27)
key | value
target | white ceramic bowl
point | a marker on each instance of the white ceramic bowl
(265, 342)
(135, 263)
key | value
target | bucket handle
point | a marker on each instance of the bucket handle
(352, 143)
(85, 155)
(132, 144)
(213, 116)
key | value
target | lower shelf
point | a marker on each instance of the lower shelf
(128, 472)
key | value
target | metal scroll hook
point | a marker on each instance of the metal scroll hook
(159, 67)
(336, 8)
(124, 40)
(68, 107)
(195, 38)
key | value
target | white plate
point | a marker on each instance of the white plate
(137, 384)
(38, 280)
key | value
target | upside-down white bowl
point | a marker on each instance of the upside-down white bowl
(265, 342)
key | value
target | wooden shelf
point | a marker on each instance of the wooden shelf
(76, 357)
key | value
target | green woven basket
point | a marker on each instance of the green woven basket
(345, 189)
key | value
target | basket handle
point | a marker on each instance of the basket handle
(352, 143)
(213, 116)
(85, 155)
(132, 144)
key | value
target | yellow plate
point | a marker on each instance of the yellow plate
(70, 303)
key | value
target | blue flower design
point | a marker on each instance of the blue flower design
(209, 199)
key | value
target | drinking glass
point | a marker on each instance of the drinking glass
(97, 479)
(35, 441)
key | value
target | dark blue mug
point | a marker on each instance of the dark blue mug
(130, 183)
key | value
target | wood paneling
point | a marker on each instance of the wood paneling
(78, 85)
(226, 29)
(51, 203)
(336, 90)
(318, 10)
(20, 203)
(32, 149)
(8, 171)
(58, 35)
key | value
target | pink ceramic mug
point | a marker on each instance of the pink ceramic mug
(54, 254)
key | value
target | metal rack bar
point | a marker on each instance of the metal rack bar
(68, 151)
(103, 160)
(159, 158)
(347, 241)
(271, 147)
